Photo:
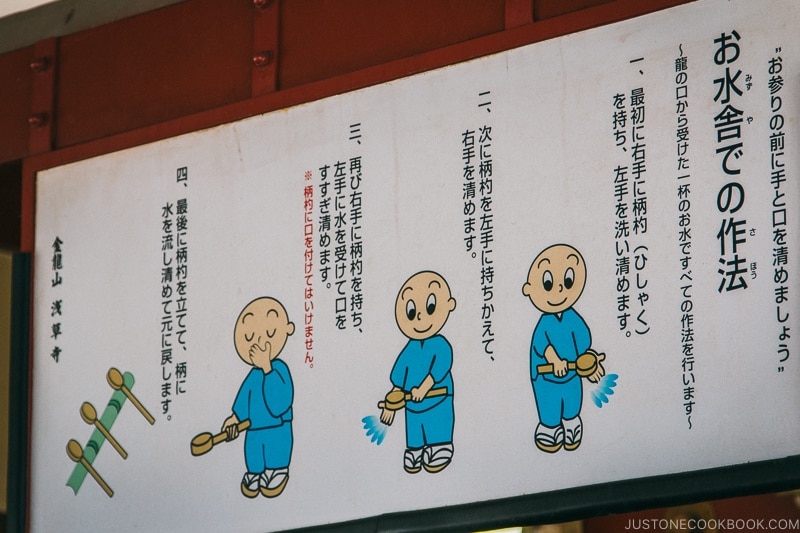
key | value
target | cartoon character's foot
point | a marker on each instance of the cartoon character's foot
(250, 484)
(274, 481)
(412, 460)
(573, 432)
(436, 458)
(549, 439)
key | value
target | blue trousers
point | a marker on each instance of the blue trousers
(268, 448)
(434, 426)
(557, 401)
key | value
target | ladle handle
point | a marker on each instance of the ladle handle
(431, 393)
(111, 440)
(548, 368)
(100, 481)
(223, 435)
(139, 407)
(407, 398)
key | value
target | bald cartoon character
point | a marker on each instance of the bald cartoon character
(422, 307)
(265, 397)
(556, 279)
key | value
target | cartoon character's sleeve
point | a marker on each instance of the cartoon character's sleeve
(399, 373)
(442, 360)
(278, 389)
(539, 343)
(241, 405)
(583, 337)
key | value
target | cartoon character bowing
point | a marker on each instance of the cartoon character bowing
(264, 398)
(560, 348)
(422, 373)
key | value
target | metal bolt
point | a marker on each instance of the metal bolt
(262, 59)
(262, 4)
(37, 120)
(40, 64)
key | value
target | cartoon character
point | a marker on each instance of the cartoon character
(264, 398)
(560, 348)
(421, 373)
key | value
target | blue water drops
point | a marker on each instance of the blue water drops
(376, 430)
(604, 389)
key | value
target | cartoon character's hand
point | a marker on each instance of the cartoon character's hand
(387, 416)
(560, 368)
(260, 358)
(598, 374)
(418, 393)
(231, 427)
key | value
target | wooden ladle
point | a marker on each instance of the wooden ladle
(75, 452)
(89, 415)
(202, 443)
(584, 366)
(117, 382)
(396, 399)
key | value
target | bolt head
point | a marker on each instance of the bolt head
(37, 120)
(262, 59)
(40, 64)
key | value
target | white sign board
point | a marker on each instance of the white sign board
(15, 6)
(575, 257)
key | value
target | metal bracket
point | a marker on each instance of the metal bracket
(265, 47)
(43, 84)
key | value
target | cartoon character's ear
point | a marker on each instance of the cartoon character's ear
(452, 303)
(291, 328)
(526, 289)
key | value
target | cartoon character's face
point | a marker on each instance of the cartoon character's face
(423, 305)
(261, 331)
(556, 279)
